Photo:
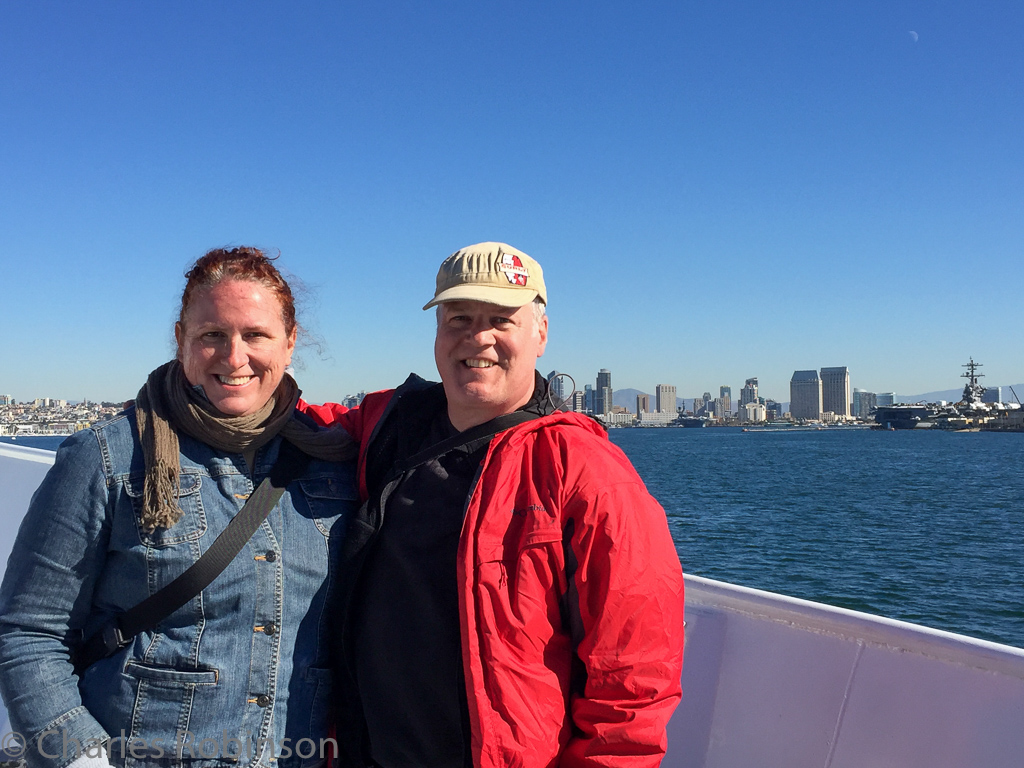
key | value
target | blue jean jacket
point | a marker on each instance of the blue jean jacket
(238, 675)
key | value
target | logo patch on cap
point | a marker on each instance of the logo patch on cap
(513, 269)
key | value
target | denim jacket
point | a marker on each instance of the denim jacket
(239, 675)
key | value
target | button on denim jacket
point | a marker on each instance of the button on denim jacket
(243, 666)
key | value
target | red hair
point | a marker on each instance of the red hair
(242, 263)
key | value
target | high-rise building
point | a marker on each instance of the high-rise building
(665, 394)
(749, 392)
(835, 390)
(698, 406)
(863, 403)
(726, 394)
(643, 404)
(588, 399)
(6, 400)
(992, 395)
(773, 410)
(805, 395)
(578, 403)
(603, 392)
(556, 386)
(885, 398)
(353, 401)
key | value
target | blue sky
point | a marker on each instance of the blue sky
(715, 191)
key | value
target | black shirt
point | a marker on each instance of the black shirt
(408, 652)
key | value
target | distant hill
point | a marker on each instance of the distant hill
(627, 397)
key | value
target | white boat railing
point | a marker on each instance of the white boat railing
(776, 682)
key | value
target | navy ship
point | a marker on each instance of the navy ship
(970, 414)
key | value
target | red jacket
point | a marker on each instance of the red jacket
(557, 501)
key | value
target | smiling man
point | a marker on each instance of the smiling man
(514, 596)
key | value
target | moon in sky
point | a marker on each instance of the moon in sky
(913, 35)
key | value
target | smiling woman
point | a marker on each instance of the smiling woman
(132, 504)
(235, 337)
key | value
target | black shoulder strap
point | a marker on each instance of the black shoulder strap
(405, 423)
(478, 434)
(290, 464)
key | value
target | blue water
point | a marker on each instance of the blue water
(921, 526)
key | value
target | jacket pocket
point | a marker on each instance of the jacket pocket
(164, 704)
(171, 676)
(539, 568)
(192, 524)
(327, 499)
(529, 574)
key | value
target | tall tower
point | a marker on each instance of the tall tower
(835, 390)
(805, 395)
(603, 392)
(665, 394)
(557, 386)
(725, 393)
(749, 392)
(643, 404)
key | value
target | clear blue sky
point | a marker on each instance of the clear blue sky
(715, 190)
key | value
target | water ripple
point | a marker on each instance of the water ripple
(921, 526)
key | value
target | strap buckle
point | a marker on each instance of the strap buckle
(112, 639)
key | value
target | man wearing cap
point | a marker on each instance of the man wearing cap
(513, 594)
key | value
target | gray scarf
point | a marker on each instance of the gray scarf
(167, 404)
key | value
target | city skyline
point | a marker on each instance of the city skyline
(714, 192)
(581, 382)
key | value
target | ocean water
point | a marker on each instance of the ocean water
(923, 526)
(919, 525)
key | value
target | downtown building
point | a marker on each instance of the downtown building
(864, 403)
(805, 395)
(603, 393)
(665, 397)
(754, 411)
(835, 391)
(577, 402)
(643, 404)
(725, 394)
(749, 392)
(560, 399)
(556, 386)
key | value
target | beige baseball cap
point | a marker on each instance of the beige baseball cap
(493, 272)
